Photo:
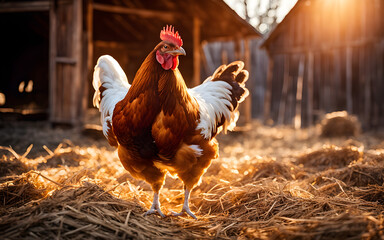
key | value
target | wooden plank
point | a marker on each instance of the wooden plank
(380, 77)
(339, 99)
(268, 91)
(145, 13)
(66, 51)
(375, 86)
(196, 51)
(248, 100)
(88, 58)
(52, 62)
(367, 88)
(76, 101)
(326, 82)
(66, 60)
(299, 93)
(30, 6)
(209, 61)
(325, 47)
(310, 88)
(361, 84)
(283, 101)
(349, 55)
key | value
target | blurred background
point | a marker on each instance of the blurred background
(306, 58)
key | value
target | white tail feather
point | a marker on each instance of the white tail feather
(111, 76)
(214, 99)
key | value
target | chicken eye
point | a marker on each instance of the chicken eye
(165, 47)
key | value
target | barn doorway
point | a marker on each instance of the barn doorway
(24, 62)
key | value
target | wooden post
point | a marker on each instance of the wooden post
(66, 81)
(89, 56)
(380, 76)
(79, 82)
(248, 100)
(208, 58)
(196, 51)
(283, 101)
(310, 88)
(349, 80)
(299, 93)
(52, 60)
(367, 88)
(268, 93)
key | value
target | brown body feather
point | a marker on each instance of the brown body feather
(155, 125)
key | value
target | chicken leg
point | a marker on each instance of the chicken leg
(185, 208)
(155, 206)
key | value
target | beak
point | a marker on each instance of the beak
(179, 51)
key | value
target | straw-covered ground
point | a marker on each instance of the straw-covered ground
(269, 183)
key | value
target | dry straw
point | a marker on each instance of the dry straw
(75, 192)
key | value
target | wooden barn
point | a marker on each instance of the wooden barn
(49, 47)
(327, 55)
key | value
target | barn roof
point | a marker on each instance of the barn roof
(322, 24)
(280, 27)
(139, 20)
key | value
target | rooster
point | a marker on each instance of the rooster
(159, 125)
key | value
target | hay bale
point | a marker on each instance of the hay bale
(330, 157)
(269, 168)
(340, 124)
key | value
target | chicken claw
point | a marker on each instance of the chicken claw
(185, 208)
(155, 206)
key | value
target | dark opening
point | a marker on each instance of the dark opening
(24, 63)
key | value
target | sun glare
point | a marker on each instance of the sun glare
(2, 99)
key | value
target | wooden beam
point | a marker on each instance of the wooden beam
(299, 93)
(89, 19)
(209, 62)
(66, 60)
(284, 94)
(231, 38)
(145, 13)
(248, 65)
(311, 59)
(79, 84)
(30, 6)
(326, 47)
(348, 74)
(196, 51)
(52, 61)
(268, 91)
(87, 58)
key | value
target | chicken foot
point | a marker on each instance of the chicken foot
(155, 206)
(185, 208)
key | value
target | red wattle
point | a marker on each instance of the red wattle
(175, 63)
(167, 61)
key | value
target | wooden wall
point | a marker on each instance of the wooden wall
(327, 55)
(66, 62)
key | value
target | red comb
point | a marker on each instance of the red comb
(168, 34)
